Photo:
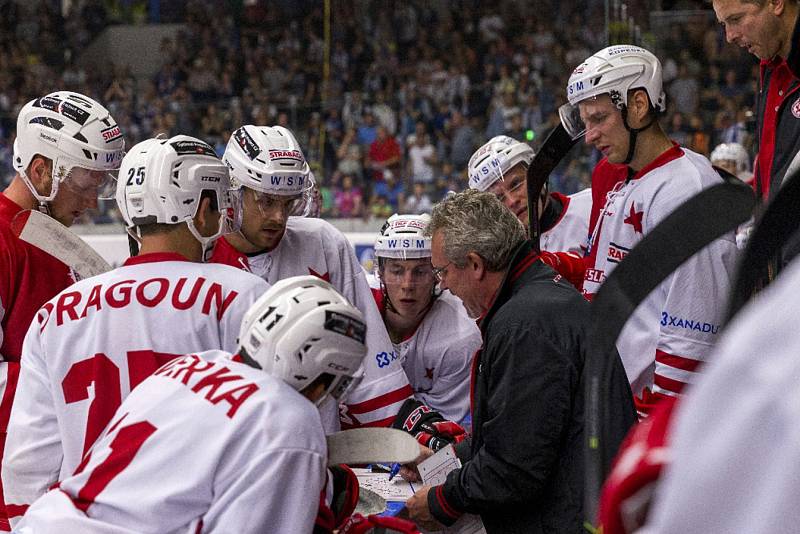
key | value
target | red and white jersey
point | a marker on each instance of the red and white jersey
(206, 444)
(94, 342)
(735, 463)
(571, 231)
(437, 357)
(29, 277)
(674, 329)
(314, 246)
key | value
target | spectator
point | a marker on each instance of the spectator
(422, 157)
(348, 199)
(384, 154)
(419, 202)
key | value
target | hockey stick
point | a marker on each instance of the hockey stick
(777, 224)
(371, 445)
(692, 226)
(54, 238)
(553, 150)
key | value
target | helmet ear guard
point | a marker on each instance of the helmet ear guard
(302, 329)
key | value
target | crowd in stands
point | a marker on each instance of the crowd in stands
(414, 86)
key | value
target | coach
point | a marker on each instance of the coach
(523, 466)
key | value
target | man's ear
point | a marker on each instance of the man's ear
(476, 266)
(40, 175)
(206, 220)
(777, 6)
(639, 106)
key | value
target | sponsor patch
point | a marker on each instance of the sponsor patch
(193, 147)
(347, 326)
(246, 142)
(616, 253)
(688, 324)
(286, 154)
(111, 134)
(67, 109)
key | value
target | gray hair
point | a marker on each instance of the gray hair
(475, 221)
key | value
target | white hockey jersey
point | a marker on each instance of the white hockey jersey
(735, 460)
(204, 445)
(673, 330)
(95, 341)
(571, 231)
(437, 357)
(314, 246)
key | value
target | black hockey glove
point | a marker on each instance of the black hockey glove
(428, 427)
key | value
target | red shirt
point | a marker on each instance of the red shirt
(382, 151)
(29, 277)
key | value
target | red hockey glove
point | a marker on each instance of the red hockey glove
(571, 266)
(428, 427)
(358, 524)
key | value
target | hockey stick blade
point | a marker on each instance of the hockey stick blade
(777, 224)
(370, 445)
(60, 242)
(692, 226)
(552, 151)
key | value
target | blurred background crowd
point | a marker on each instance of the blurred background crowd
(413, 87)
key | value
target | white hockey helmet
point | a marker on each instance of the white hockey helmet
(302, 328)
(403, 237)
(268, 160)
(494, 159)
(731, 152)
(73, 131)
(162, 181)
(615, 70)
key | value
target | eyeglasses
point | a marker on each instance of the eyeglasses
(439, 272)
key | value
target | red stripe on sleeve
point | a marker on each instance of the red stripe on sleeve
(668, 384)
(678, 362)
(387, 399)
(446, 508)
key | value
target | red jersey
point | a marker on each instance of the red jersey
(29, 277)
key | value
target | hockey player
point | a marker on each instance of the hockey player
(614, 98)
(733, 158)
(268, 167)
(430, 330)
(66, 148)
(94, 342)
(501, 166)
(734, 469)
(232, 440)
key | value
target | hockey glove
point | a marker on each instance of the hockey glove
(428, 427)
(345, 492)
(358, 524)
(569, 265)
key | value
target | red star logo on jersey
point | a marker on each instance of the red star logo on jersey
(325, 276)
(634, 218)
(429, 372)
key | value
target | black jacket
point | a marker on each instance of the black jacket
(523, 467)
